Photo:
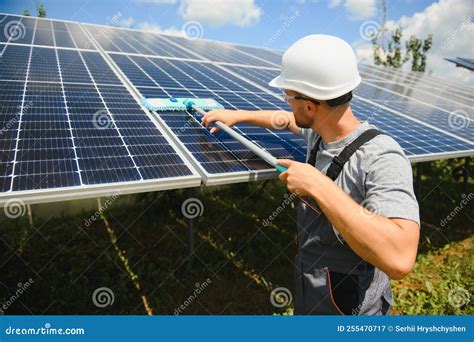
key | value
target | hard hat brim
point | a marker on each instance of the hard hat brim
(313, 92)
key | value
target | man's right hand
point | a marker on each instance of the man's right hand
(227, 116)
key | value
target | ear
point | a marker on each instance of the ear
(312, 107)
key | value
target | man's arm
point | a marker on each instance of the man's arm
(388, 243)
(273, 119)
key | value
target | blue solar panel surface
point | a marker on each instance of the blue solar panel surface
(69, 120)
(417, 139)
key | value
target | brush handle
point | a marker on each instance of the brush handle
(250, 145)
(281, 168)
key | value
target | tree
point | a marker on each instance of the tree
(41, 10)
(418, 49)
(26, 13)
(390, 54)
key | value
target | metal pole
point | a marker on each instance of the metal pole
(30, 216)
(418, 181)
(465, 173)
(192, 193)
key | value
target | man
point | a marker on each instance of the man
(347, 253)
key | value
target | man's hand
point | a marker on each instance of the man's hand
(226, 116)
(300, 178)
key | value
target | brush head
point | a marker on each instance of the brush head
(179, 104)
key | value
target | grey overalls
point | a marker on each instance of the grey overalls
(330, 278)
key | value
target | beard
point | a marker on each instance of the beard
(300, 122)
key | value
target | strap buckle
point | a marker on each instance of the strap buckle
(337, 161)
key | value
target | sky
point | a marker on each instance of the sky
(279, 23)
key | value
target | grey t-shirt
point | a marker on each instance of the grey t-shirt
(378, 175)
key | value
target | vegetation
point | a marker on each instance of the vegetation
(138, 249)
(40, 10)
(390, 53)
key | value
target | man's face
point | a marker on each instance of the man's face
(303, 117)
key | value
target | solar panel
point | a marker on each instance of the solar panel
(418, 110)
(421, 81)
(73, 126)
(219, 154)
(218, 52)
(423, 125)
(467, 63)
(72, 129)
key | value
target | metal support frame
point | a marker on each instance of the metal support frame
(465, 173)
(191, 193)
(419, 168)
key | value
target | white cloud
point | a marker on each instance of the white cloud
(238, 12)
(157, 2)
(361, 9)
(146, 26)
(128, 22)
(357, 9)
(450, 22)
(334, 3)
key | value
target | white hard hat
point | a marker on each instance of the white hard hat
(319, 66)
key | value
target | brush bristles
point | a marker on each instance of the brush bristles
(179, 104)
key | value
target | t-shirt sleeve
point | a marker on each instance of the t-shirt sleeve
(389, 186)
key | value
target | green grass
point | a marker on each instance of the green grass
(142, 254)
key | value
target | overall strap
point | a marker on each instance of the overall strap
(338, 161)
(314, 152)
